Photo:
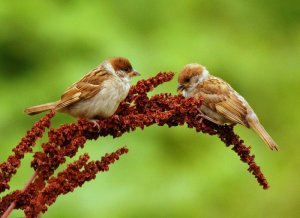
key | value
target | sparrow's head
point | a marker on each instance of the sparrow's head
(190, 76)
(122, 67)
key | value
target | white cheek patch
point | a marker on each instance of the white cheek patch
(199, 79)
(204, 75)
(108, 67)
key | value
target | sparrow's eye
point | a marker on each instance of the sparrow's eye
(126, 69)
(187, 80)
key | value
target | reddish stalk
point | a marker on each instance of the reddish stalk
(13, 204)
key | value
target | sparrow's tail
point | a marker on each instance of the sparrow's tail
(40, 108)
(260, 130)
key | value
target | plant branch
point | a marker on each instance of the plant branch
(136, 111)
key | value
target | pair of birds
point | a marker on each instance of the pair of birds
(99, 93)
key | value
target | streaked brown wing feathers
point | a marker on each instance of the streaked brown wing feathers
(220, 97)
(85, 88)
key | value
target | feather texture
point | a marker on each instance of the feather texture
(97, 94)
(222, 104)
(40, 108)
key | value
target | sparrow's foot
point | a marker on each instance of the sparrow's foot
(116, 117)
(200, 117)
(95, 123)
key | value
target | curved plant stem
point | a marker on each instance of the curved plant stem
(13, 204)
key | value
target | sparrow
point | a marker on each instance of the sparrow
(222, 104)
(97, 94)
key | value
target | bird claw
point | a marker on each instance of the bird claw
(200, 115)
(95, 124)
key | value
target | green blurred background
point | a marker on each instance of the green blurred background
(254, 45)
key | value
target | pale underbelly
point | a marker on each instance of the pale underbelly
(103, 104)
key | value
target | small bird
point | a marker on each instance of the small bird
(222, 104)
(97, 94)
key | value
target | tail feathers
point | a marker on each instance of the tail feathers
(40, 108)
(260, 130)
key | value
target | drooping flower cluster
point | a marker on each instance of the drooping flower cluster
(9, 168)
(75, 175)
(138, 110)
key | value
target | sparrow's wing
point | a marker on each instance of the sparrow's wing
(221, 98)
(85, 88)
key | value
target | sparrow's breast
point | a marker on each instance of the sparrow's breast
(105, 102)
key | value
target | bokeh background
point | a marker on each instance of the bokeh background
(254, 45)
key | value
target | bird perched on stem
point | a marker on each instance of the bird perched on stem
(222, 104)
(97, 94)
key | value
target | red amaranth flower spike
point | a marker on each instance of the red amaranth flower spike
(75, 175)
(9, 168)
(136, 111)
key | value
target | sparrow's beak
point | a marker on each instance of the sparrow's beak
(133, 73)
(180, 88)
